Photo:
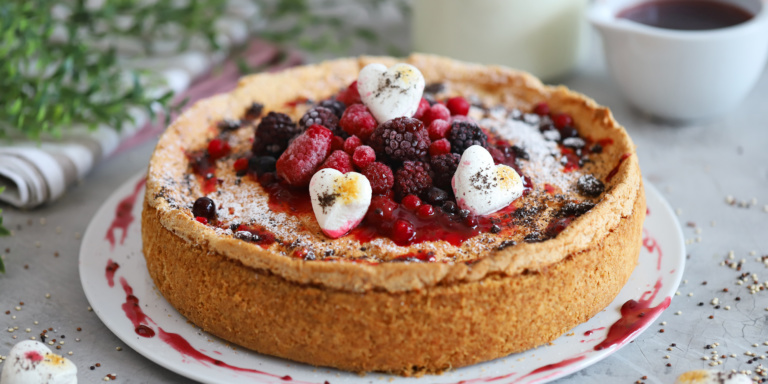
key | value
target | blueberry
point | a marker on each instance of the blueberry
(204, 207)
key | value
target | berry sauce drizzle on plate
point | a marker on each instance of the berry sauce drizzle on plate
(115, 280)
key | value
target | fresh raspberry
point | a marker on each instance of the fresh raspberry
(380, 176)
(337, 144)
(541, 109)
(363, 156)
(218, 148)
(438, 129)
(319, 115)
(305, 153)
(358, 121)
(412, 179)
(351, 143)
(241, 164)
(334, 105)
(350, 95)
(425, 211)
(458, 106)
(338, 160)
(562, 120)
(422, 109)
(403, 231)
(439, 147)
(273, 133)
(437, 111)
(401, 139)
(411, 202)
(381, 210)
(444, 166)
(464, 135)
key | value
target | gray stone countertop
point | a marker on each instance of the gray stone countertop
(696, 167)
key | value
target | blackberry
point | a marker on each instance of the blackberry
(322, 116)
(590, 186)
(261, 164)
(401, 139)
(444, 166)
(412, 179)
(464, 134)
(273, 134)
(334, 105)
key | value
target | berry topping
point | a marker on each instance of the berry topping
(562, 120)
(403, 231)
(401, 139)
(229, 124)
(422, 109)
(350, 95)
(438, 129)
(201, 220)
(321, 116)
(204, 207)
(464, 134)
(412, 179)
(425, 211)
(380, 176)
(351, 143)
(338, 160)
(241, 164)
(439, 147)
(437, 111)
(273, 133)
(261, 164)
(590, 186)
(411, 202)
(541, 109)
(437, 196)
(337, 144)
(218, 148)
(334, 105)
(444, 166)
(304, 155)
(381, 210)
(458, 106)
(254, 111)
(363, 156)
(357, 120)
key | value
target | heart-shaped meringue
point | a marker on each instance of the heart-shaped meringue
(481, 186)
(339, 201)
(390, 93)
(32, 362)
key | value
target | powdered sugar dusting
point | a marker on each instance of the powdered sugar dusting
(544, 166)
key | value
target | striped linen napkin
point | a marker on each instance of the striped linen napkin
(35, 172)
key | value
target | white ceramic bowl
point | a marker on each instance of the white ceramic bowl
(683, 75)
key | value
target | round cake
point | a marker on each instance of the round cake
(422, 282)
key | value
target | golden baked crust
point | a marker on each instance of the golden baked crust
(476, 303)
(491, 85)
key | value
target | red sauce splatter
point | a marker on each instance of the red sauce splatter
(205, 169)
(635, 316)
(34, 356)
(293, 103)
(140, 322)
(124, 215)
(133, 311)
(616, 168)
(486, 379)
(549, 189)
(591, 331)
(605, 142)
(572, 161)
(651, 246)
(110, 272)
(265, 237)
(559, 364)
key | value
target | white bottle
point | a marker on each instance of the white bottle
(543, 37)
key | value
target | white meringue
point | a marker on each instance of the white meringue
(390, 93)
(339, 201)
(481, 186)
(31, 362)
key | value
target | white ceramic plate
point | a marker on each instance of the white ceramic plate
(195, 354)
